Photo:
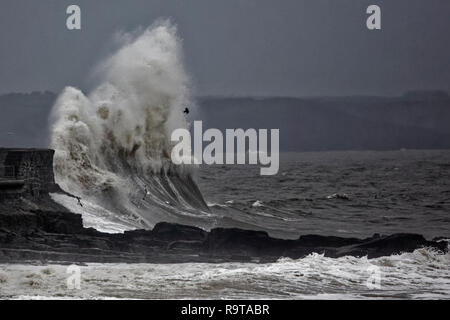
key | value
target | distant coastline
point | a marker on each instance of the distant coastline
(417, 119)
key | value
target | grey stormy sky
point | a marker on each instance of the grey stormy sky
(239, 47)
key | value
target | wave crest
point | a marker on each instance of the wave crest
(113, 145)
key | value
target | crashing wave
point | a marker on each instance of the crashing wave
(112, 146)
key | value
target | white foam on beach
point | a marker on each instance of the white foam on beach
(423, 274)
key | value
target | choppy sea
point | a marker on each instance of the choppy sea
(329, 193)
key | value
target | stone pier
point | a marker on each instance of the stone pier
(26, 172)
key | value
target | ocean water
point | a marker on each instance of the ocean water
(419, 275)
(112, 149)
(328, 193)
(353, 193)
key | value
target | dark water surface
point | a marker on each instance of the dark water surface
(378, 192)
(355, 193)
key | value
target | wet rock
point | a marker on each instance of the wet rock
(326, 241)
(59, 236)
(389, 245)
(174, 232)
(34, 227)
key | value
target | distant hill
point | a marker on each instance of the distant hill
(413, 121)
(416, 120)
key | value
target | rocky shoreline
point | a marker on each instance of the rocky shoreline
(45, 232)
(35, 228)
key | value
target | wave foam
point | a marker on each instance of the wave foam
(112, 146)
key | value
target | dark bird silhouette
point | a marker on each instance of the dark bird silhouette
(186, 111)
(79, 201)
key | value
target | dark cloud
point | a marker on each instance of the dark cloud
(240, 47)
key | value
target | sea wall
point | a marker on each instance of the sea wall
(26, 172)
